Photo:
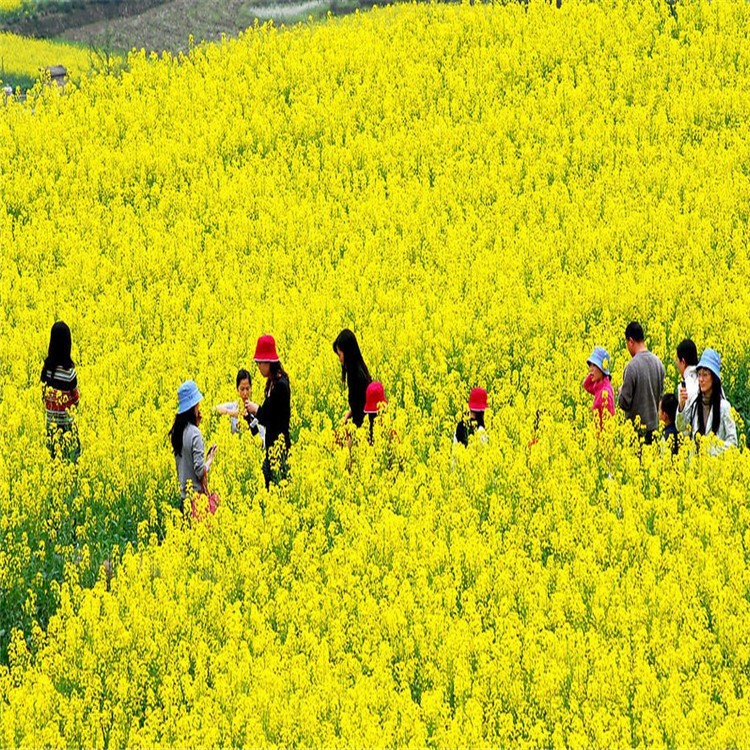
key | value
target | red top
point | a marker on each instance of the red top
(604, 396)
(374, 396)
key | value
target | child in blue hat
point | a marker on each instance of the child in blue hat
(708, 413)
(598, 383)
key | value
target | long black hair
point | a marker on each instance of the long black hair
(346, 342)
(58, 353)
(274, 376)
(181, 421)
(715, 406)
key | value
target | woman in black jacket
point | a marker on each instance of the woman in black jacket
(275, 411)
(60, 395)
(354, 373)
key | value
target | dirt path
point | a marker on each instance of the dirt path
(168, 25)
(55, 23)
(290, 10)
(158, 25)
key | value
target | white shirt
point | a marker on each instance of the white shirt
(690, 376)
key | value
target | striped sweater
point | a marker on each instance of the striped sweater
(60, 394)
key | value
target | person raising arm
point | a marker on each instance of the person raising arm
(275, 411)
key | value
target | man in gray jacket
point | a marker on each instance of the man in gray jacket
(642, 384)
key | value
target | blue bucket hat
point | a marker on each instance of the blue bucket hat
(710, 360)
(188, 396)
(600, 358)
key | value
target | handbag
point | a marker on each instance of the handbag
(213, 499)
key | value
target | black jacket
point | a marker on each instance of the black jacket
(357, 382)
(465, 429)
(275, 412)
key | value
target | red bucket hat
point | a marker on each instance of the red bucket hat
(478, 399)
(374, 396)
(265, 350)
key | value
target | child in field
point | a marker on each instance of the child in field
(598, 383)
(475, 423)
(375, 406)
(60, 393)
(375, 400)
(236, 409)
(667, 416)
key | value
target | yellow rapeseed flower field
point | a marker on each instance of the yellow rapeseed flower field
(21, 56)
(483, 193)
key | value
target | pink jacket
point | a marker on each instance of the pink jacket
(604, 396)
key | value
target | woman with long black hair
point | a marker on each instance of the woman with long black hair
(354, 374)
(187, 442)
(60, 393)
(709, 413)
(275, 412)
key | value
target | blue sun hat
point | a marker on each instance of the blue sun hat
(710, 360)
(600, 358)
(188, 396)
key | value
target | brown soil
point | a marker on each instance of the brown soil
(56, 22)
(158, 25)
(168, 25)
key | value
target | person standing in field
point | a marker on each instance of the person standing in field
(642, 384)
(599, 385)
(709, 413)
(687, 359)
(667, 416)
(60, 394)
(354, 374)
(375, 400)
(275, 412)
(235, 410)
(475, 424)
(187, 442)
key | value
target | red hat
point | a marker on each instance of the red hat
(265, 350)
(478, 399)
(374, 396)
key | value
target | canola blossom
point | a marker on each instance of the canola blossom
(26, 57)
(483, 194)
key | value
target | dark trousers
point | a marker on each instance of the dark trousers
(275, 467)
